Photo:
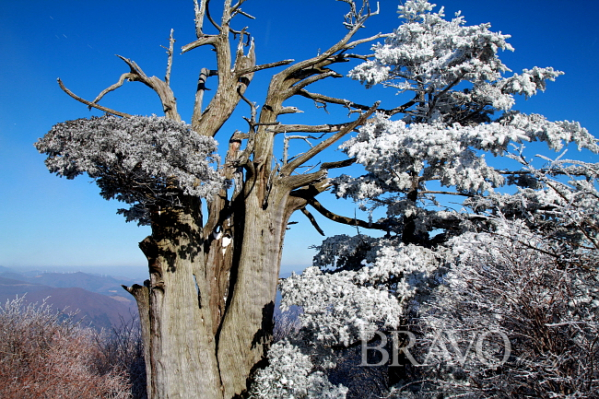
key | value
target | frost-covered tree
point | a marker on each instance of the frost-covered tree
(539, 291)
(534, 280)
(217, 231)
(461, 110)
(432, 147)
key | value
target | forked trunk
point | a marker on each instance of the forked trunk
(207, 310)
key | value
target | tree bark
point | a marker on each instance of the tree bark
(177, 330)
(207, 309)
(248, 323)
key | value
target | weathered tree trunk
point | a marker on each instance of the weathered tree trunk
(248, 323)
(207, 309)
(180, 349)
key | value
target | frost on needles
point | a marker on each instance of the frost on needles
(460, 107)
(147, 162)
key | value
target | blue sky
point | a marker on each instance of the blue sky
(49, 222)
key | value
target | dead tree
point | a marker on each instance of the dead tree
(207, 308)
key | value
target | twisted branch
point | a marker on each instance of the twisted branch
(91, 104)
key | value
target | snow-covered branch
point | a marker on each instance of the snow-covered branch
(146, 162)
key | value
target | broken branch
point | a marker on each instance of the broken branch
(169, 63)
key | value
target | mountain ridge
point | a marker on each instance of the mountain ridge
(94, 309)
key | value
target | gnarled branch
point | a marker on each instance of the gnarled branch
(291, 166)
(312, 220)
(90, 103)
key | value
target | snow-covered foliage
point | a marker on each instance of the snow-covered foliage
(438, 147)
(393, 152)
(427, 53)
(143, 161)
(344, 307)
(503, 261)
(562, 203)
(341, 308)
(290, 375)
(534, 290)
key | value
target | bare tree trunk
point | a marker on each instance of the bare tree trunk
(207, 309)
(176, 320)
(248, 324)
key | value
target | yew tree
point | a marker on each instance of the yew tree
(216, 231)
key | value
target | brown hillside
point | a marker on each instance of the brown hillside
(96, 310)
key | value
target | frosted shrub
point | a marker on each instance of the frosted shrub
(524, 285)
(43, 355)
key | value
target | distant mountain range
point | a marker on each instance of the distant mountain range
(97, 301)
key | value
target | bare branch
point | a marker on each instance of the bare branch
(91, 104)
(309, 179)
(245, 14)
(290, 167)
(308, 81)
(312, 220)
(205, 73)
(200, 11)
(339, 46)
(135, 69)
(550, 171)
(366, 40)
(286, 144)
(263, 66)
(328, 128)
(332, 100)
(344, 219)
(236, 9)
(212, 21)
(357, 18)
(125, 76)
(306, 179)
(350, 104)
(338, 164)
(167, 98)
(169, 64)
(447, 193)
(202, 41)
(253, 109)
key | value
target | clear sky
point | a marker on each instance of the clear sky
(46, 221)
